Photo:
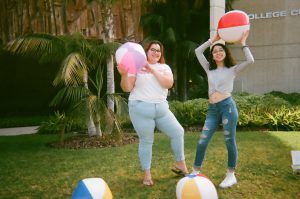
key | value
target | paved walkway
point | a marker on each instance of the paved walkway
(18, 131)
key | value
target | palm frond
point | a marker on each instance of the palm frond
(73, 71)
(151, 2)
(153, 24)
(70, 96)
(121, 105)
(187, 49)
(104, 51)
(96, 105)
(170, 37)
(100, 112)
(76, 43)
(43, 47)
(108, 118)
(99, 80)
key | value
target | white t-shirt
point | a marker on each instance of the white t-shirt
(147, 87)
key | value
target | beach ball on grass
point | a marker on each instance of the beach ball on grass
(131, 56)
(232, 25)
(92, 188)
(196, 187)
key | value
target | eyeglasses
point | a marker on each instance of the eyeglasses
(217, 51)
(155, 50)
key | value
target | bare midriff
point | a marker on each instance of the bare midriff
(217, 97)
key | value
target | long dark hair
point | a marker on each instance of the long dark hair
(228, 61)
(147, 46)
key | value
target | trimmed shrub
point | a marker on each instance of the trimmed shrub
(255, 111)
(191, 112)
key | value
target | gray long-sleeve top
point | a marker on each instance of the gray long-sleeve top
(221, 79)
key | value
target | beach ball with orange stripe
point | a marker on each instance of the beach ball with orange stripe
(196, 187)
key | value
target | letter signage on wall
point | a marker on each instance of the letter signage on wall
(274, 14)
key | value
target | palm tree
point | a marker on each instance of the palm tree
(80, 74)
(107, 35)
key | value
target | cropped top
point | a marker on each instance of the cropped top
(221, 79)
(147, 88)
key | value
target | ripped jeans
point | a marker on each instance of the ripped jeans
(224, 112)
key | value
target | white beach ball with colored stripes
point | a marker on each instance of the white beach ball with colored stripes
(196, 187)
(92, 188)
(232, 25)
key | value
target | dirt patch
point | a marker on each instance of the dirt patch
(87, 142)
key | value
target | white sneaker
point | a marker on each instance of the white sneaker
(228, 181)
(194, 172)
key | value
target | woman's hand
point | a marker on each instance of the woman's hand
(244, 38)
(216, 37)
(164, 79)
(148, 69)
(122, 70)
(127, 83)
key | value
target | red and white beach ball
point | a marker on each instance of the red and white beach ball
(92, 188)
(131, 56)
(232, 25)
(196, 187)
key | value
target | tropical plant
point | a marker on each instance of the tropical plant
(80, 75)
(284, 118)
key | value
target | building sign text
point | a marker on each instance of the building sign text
(275, 14)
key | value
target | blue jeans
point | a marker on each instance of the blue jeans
(225, 113)
(145, 117)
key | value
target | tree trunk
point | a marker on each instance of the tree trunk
(110, 82)
(4, 21)
(98, 127)
(107, 35)
(136, 14)
(28, 27)
(52, 8)
(184, 82)
(64, 17)
(48, 16)
(90, 124)
(89, 119)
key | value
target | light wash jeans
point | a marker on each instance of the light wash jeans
(224, 112)
(145, 117)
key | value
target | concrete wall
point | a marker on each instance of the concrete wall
(217, 10)
(275, 43)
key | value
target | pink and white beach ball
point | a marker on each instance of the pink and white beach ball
(131, 56)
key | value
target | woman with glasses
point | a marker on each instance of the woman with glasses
(221, 71)
(149, 109)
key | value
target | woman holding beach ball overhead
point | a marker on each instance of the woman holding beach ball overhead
(221, 71)
(149, 109)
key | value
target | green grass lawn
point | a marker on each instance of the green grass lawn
(30, 169)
